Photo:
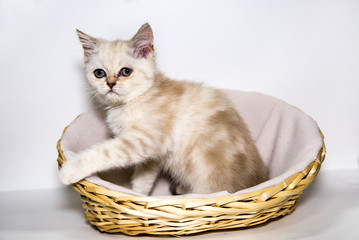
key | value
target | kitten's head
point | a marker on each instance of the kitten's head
(119, 71)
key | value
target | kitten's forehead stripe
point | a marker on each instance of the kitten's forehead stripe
(114, 55)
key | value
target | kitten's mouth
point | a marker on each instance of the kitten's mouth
(111, 92)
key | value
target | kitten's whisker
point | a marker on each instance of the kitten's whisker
(92, 96)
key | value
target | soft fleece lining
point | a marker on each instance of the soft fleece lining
(287, 139)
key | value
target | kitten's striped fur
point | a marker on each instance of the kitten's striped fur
(184, 128)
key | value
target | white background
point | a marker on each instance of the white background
(305, 52)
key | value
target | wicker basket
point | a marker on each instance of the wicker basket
(117, 212)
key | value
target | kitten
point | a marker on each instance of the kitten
(190, 131)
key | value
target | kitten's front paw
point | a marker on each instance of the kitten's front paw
(71, 171)
(68, 175)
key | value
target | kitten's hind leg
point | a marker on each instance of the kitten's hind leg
(180, 190)
(144, 176)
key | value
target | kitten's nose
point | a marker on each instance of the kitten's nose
(111, 81)
(111, 84)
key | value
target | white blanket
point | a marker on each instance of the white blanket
(287, 139)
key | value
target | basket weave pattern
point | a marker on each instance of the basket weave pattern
(116, 212)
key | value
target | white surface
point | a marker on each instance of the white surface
(305, 52)
(328, 209)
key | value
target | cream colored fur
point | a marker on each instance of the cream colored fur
(186, 129)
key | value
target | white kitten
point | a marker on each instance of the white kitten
(190, 131)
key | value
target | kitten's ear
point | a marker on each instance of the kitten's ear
(142, 42)
(88, 43)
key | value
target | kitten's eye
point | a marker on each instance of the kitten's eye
(99, 73)
(125, 72)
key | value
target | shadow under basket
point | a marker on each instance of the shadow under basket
(289, 141)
